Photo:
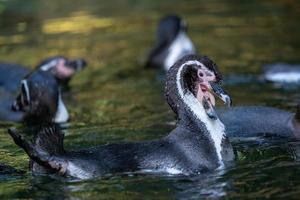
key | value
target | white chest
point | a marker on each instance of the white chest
(180, 47)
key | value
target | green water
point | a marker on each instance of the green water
(115, 99)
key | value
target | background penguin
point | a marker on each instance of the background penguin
(282, 73)
(11, 76)
(255, 121)
(172, 43)
(61, 67)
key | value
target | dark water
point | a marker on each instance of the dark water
(115, 99)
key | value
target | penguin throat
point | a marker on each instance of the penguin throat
(181, 46)
(62, 114)
(214, 126)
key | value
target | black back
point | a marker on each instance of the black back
(167, 31)
(11, 75)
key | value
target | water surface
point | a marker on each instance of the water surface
(116, 100)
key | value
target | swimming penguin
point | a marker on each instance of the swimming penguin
(12, 75)
(39, 100)
(197, 144)
(172, 43)
(60, 67)
(260, 121)
(282, 73)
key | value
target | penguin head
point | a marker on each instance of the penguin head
(169, 27)
(62, 68)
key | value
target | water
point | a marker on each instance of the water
(116, 100)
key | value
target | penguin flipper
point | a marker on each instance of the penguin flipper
(37, 154)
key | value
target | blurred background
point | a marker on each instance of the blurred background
(115, 99)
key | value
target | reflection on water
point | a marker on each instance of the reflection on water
(115, 99)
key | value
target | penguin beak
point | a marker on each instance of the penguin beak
(219, 92)
(77, 65)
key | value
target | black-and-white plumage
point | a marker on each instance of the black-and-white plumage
(282, 73)
(260, 121)
(39, 100)
(172, 43)
(12, 76)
